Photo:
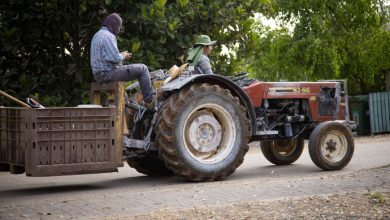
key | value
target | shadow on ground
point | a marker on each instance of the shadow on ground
(268, 173)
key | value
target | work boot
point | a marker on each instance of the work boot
(152, 104)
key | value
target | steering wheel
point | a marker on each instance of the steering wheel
(240, 76)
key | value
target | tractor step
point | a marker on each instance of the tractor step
(273, 132)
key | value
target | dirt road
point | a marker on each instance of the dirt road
(128, 194)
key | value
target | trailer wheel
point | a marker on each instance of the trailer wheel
(203, 133)
(282, 152)
(331, 145)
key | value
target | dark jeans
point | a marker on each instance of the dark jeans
(127, 73)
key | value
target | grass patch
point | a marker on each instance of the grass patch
(377, 196)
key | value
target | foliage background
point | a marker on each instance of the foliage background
(328, 40)
(44, 44)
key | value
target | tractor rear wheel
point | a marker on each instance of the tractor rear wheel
(282, 152)
(331, 145)
(149, 163)
(145, 162)
(203, 133)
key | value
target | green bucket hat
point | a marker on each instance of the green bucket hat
(204, 40)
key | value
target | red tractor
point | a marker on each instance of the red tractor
(199, 130)
(202, 125)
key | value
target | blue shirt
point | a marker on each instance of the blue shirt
(105, 55)
(204, 66)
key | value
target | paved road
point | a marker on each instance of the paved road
(127, 193)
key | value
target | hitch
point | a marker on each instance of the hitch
(129, 143)
(146, 144)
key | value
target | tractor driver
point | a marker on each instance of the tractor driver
(106, 60)
(198, 55)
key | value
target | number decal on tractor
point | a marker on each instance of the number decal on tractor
(284, 90)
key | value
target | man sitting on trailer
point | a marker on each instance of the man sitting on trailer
(106, 60)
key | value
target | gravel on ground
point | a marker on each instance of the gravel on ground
(359, 205)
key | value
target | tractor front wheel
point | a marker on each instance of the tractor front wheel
(282, 152)
(331, 145)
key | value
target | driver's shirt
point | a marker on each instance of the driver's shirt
(204, 66)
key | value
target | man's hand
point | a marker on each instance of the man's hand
(126, 55)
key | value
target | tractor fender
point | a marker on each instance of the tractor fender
(224, 82)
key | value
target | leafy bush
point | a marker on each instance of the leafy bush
(45, 44)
